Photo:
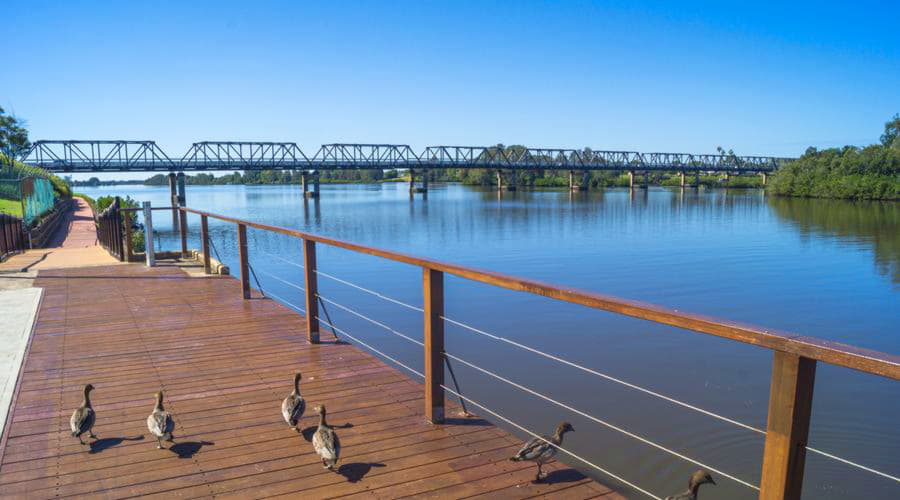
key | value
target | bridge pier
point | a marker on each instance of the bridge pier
(765, 177)
(412, 182)
(304, 182)
(631, 179)
(508, 186)
(182, 190)
(173, 200)
(727, 177)
(585, 181)
(681, 175)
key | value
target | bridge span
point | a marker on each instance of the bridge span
(76, 156)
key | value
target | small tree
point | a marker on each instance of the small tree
(891, 131)
(13, 137)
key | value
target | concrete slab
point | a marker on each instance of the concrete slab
(18, 309)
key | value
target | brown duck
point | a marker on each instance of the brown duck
(326, 441)
(160, 422)
(293, 406)
(698, 478)
(542, 450)
(84, 417)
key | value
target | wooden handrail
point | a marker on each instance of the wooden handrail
(835, 353)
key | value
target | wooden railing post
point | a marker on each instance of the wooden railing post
(182, 219)
(126, 224)
(204, 241)
(433, 292)
(312, 291)
(245, 267)
(790, 405)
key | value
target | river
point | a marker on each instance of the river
(829, 269)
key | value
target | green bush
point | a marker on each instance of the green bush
(870, 173)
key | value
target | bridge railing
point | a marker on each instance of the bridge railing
(115, 156)
(794, 356)
(110, 230)
(12, 236)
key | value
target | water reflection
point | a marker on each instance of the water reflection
(875, 224)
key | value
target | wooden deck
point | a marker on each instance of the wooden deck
(225, 364)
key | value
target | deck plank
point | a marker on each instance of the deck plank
(225, 364)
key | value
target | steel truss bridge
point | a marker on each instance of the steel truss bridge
(85, 156)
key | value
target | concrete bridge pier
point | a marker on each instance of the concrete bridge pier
(173, 199)
(765, 177)
(585, 181)
(412, 182)
(182, 189)
(509, 186)
(631, 179)
(681, 176)
(727, 176)
(304, 182)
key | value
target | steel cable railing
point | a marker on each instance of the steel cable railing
(587, 370)
(791, 352)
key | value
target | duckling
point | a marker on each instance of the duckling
(326, 441)
(697, 478)
(160, 422)
(541, 450)
(83, 417)
(293, 406)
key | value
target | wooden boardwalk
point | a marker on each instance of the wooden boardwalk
(225, 364)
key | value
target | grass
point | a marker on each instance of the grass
(11, 207)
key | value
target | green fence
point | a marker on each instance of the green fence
(35, 193)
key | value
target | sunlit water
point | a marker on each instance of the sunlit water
(829, 269)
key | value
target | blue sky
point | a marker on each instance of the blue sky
(759, 77)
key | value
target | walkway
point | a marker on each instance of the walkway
(225, 364)
(73, 245)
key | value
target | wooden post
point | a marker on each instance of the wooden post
(182, 217)
(204, 241)
(790, 405)
(148, 235)
(173, 199)
(245, 267)
(312, 291)
(126, 223)
(433, 291)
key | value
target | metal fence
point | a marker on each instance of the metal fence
(34, 193)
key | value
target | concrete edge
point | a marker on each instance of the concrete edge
(7, 421)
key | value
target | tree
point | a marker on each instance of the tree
(891, 131)
(13, 137)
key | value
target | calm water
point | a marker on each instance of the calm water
(824, 268)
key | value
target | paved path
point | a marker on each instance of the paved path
(17, 310)
(225, 364)
(74, 244)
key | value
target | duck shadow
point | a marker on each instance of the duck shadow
(188, 449)
(105, 443)
(354, 472)
(309, 431)
(563, 476)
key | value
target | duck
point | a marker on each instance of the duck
(541, 450)
(83, 417)
(698, 478)
(160, 422)
(326, 441)
(293, 406)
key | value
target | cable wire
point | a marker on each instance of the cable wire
(372, 292)
(603, 375)
(295, 306)
(280, 258)
(286, 282)
(370, 320)
(567, 452)
(599, 421)
(371, 348)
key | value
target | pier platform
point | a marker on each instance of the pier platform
(225, 364)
